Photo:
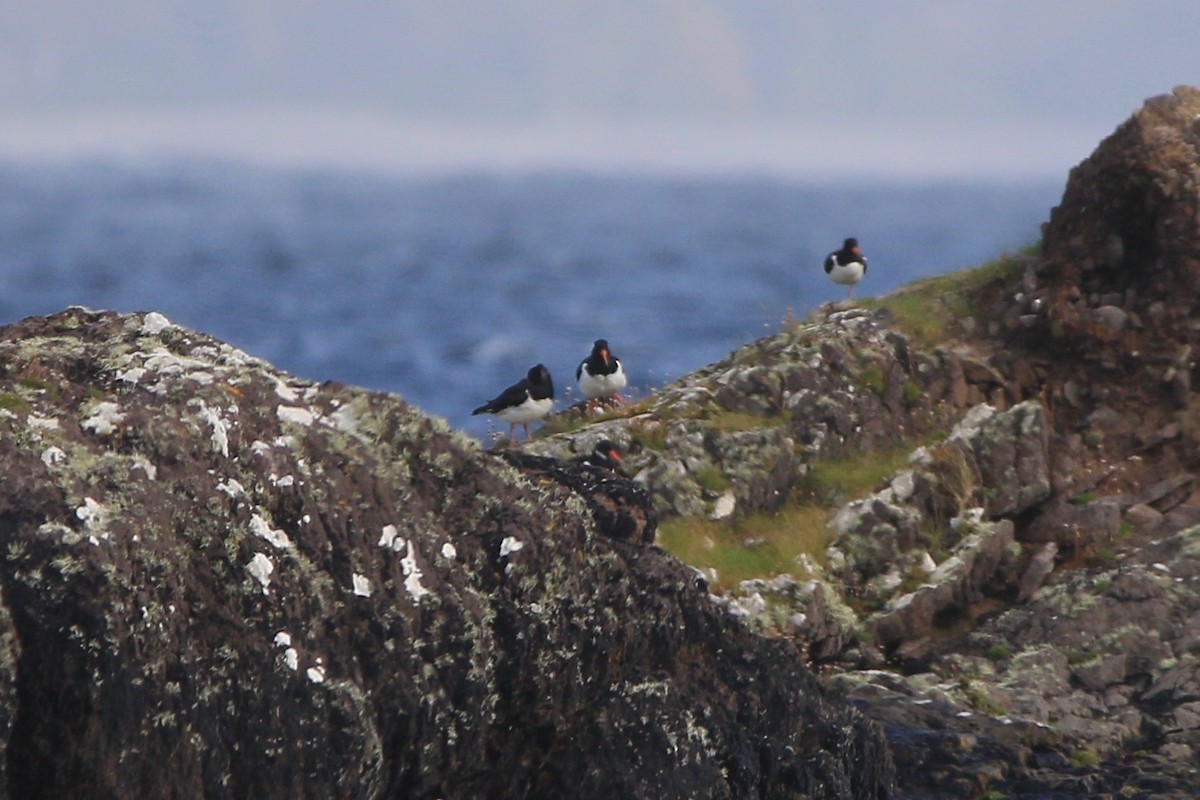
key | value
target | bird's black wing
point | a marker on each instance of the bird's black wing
(512, 396)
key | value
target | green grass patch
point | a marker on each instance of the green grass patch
(871, 378)
(777, 540)
(735, 421)
(912, 394)
(999, 652)
(13, 402)
(928, 310)
(854, 476)
(711, 479)
(649, 436)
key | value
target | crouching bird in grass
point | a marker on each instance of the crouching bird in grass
(846, 266)
(601, 376)
(620, 507)
(526, 401)
(604, 455)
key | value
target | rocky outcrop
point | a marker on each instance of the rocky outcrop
(255, 582)
(734, 438)
(1017, 607)
(221, 581)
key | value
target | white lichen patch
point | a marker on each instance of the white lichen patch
(65, 534)
(510, 545)
(155, 323)
(292, 659)
(92, 514)
(131, 375)
(283, 480)
(43, 423)
(260, 568)
(283, 639)
(449, 551)
(261, 528)
(52, 456)
(362, 586)
(412, 573)
(285, 392)
(104, 419)
(220, 426)
(390, 537)
(232, 488)
(296, 415)
(143, 463)
(164, 362)
(316, 674)
(724, 507)
(345, 420)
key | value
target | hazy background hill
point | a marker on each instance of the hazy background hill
(427, 197)
(1004, 89)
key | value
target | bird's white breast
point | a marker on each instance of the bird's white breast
(602, 385)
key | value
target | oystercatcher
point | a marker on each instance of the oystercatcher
(846, 266)
(601, 375)
(524, 402)
(604, 455)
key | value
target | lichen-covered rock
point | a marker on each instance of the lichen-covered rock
(1127, 226)
(981, 558)
(743, 430)
(221, 581)
(1008, 456)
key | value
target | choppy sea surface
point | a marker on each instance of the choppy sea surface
(447, 289)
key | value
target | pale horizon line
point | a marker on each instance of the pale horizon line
(1010, 151)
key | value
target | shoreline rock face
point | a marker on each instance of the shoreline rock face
(1019, 607)
(258, 585)
(220, 581)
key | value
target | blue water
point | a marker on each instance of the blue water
(447, 289)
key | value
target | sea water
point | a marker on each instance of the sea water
(445, 289)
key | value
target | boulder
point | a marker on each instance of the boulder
(960, 581)
(223, 581)
(1007, 454)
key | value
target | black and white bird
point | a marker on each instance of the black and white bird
(526, 401)
(846, 266)
(601, 375)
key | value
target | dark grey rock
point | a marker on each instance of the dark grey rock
(223, 581)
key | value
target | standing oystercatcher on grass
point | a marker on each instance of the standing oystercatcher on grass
(846, 266)
(526, 401)
(601, 375)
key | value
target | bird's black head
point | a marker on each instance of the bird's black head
(599, 345)
(605, 454)
(850, 244)
(539, 376)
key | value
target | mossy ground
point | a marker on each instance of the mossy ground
(766, 545)
(757, 546)
(932, 311)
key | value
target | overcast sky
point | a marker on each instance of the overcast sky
(906, 87)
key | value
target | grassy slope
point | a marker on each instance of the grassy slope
(930, 312)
